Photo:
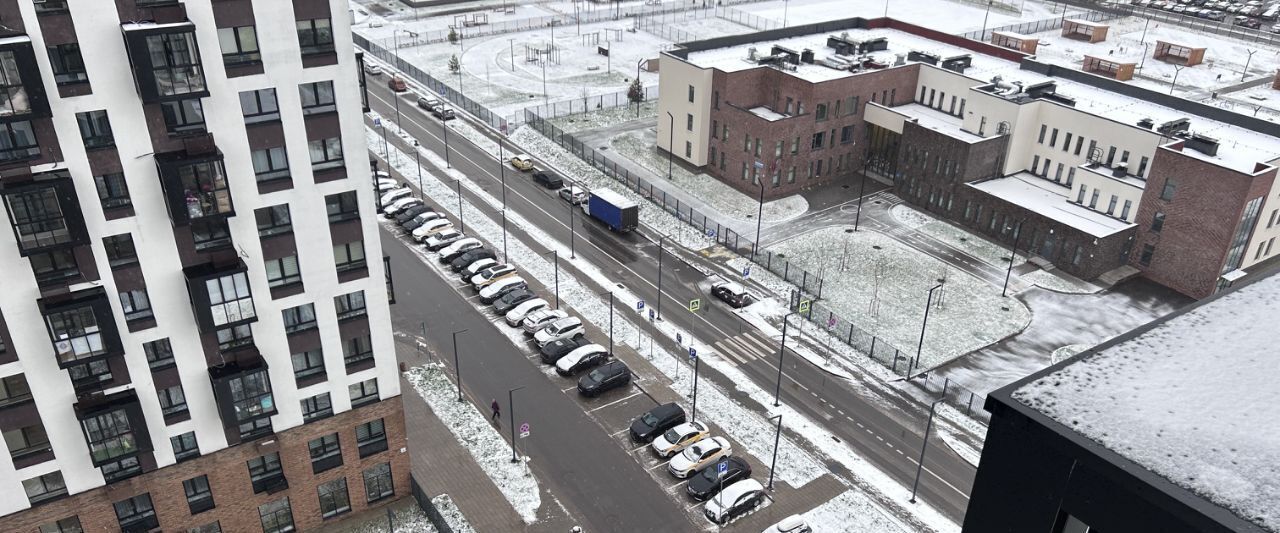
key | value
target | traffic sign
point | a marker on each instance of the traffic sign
(639, 305)
(831, 322)
(722, 467)
(524, 430)
(695, 304)
(746, 272)
(804, 306)
(377, 122)
(693, 353)
(711, 233)
(651, 315)
(679, 338)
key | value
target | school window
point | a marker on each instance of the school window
(713, 156)
(722, 160)
(777, 148)
(820, 113)
(795, 145)
(744, 172)
(715, 99)
(787, 110)
(1044, 172)
(725, 133)
(1157, 222)
(746, 142)
(791, 175)
(1111, 155)
(1043, 130)
(757, 150)
(1148, 250)
(688, 122)
(1170, 187)
(1057, 175)
(1124, 156)
(1071, 176)
(1035, 163)
(1079, 143)
(1093, 146)
(846, 134)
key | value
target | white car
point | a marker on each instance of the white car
(398, 205)
(565, 328)
(476, 267)
(495, 291)
(462, 243)
(581, 358)
(698, 455)
(791, 524)
(431, 227)
(442, 239)
(491, 274)
(540, 319)
(516, 315)
(680, 437)
(389, 198)
(373, 69)
(385, 184)
(734, 501)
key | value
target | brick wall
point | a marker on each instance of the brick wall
(236, 505)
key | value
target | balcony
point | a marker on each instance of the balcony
(195, 184)
(165, 60)
(242, 390)
(220, 295)
(22, 95)
(81, 327)
(44, 212)
(116, 432)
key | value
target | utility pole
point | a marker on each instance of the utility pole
(444, 126)
(777, 437)
(782, 352)
(505, 258)
(862, 191)
(923, 446)
(457, 369)
(511, 410)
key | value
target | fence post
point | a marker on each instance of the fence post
(804, 281)
(969, 406)
(819, 288)
(786, 270)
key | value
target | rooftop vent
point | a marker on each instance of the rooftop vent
(791, 56)
(1146, 123)
(806, 56)
(1041, 90)
(957, 63)
(1120, 170)
(1203, 144)
(751, 54)
(923, 57)
(1175, 126)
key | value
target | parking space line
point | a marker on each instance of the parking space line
(664, 463)
(633, 395)
(569, 389)
(638, 448)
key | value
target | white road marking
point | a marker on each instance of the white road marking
(633, 395)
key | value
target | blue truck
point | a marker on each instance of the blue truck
(622, 215)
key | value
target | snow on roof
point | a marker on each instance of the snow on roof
(1046, 198)
(131, 26)
(614, 199)
(936, 120)
(767, 114)
(1194, 399)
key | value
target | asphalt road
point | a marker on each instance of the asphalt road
(886, 430)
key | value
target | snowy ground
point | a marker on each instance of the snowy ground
(972, 314)
(951, 17)
(1060, 282)
(411, 519)
(852, 512)
(605, 117)
(1261, 101)
(974, 245)
(473, 432)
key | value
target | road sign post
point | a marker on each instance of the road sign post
(746, 272)
(639, 305)
(695, 304)
(804, 306)
(524, 430)
(693, 357)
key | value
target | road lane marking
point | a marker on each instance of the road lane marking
(633, 395)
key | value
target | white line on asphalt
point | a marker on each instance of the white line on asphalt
(650, 469)
(726, 349)
(633, 395)
(569, 389)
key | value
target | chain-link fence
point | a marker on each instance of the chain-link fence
(747, 19)
(1225, 27)
(662, 28)
(1036, 26)
(587, 104)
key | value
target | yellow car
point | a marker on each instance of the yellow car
(522, 162)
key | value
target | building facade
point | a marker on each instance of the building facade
(194, 334)
(1073, 168)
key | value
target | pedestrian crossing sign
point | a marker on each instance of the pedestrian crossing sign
(804, 306)
(695, 304)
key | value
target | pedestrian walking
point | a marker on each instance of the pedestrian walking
(496, 411)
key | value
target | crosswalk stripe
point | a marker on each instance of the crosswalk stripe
(745, 348)
(764, 346)
(724, 348)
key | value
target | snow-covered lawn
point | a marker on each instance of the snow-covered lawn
(969, 243)
(410, 518)
(950, 17)
(605, 117)
(1060, 282)
(971, 315)
(852, 512)
(473, 432)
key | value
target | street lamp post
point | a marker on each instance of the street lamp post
(660, 238)
(557, 259)
(923, 446)
(444, 126)
(1013, 254)
(457, 369)
(573, 254)
(638, 63)
(983, 36)
(697, 363)
(502, 170)
(782, 352)
(671, 139)
(417, 160)
(928, 303)
(777, 437)
(511, 410)
(505, 257)
(862, 191)
(759, 220)
(610, 322)
(461, 224)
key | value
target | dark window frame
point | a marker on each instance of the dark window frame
(68, 64)
(14, 390)
(307, 363)
(95, 129)
(317, 97)
(299, 318)
(183, 117)
(281, 517)
(270, 164)
(316, 407)
(184, 448)
(241, 51)
(113, 190)
(256, 108)
(326, 153)
(379, 483)
(287, 268)
(159, 353)
(315, 36)
(136, 513)
(199, 494)
(342, 206)
(175, 63)
(350, 305)
(347, 260)
(325, 452)
(371, 437)
(265, 471)
(53, 486)
(18, 141)
(274, 220)
(173, 400)
(136, 304)
(363, 392)
(334, 497)
(357, 349)
(35, 440)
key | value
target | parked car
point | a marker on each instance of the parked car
(574, 195)
(384, 185)
(397, 84)
(495, 291)
(491, 274)
(420, 219)
(582, 358)
(400, 205)
(443, 112)
(431, 227)
(790, 524)
(372, 69)
(540, 319)
(698, 455)
(513, 299)
(734, 501)
(731, 293)
(452, 251)
(391, 196)
(516, 314)
(476, 267)
(604, 378)
(522, 162)
(708, 480)
(442, 239)
(428, 102)
(405, 215)
(554, 350)
(656, 421)
(463, 261)
(547, 180)
(680, 437)
(564, 328)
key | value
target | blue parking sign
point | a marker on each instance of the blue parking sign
(693, 353)
(711, 233)
(377, 122)
(639, 305)
(722, 467)
(746, 272)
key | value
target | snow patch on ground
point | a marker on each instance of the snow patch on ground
(605, 117)
(1066, 352)
(967, 242)
(852, 512)
(473, 432)
(909, 217)
(1057, 281)
(409, 519)
(451, 514)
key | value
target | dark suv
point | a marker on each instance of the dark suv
(464, 260)
(548, 180)
(654, 422)
(708, 481)
(604, 378)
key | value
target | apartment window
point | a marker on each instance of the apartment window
(229, 299)
(136, 514)
(308, 363)
(110, 435)
(316, 408)
(234, 337)
(326, 153)
(26, 441)
(300, 318)
(1079, 143)
(1035, 163)
(1142, 166)
(1157, 222)
(1071, 176)
(363, 392)
(317, 97)
(1066, 142)
(315, 36)
(820, 113)
(210, 234)
(206, 188)
(349, 256)
(199, 495)
(175, 63)
(1057, 175)
(688, 149)
(183, 116)
(326, 453)
(113, 191)
(371, 437)
(378, 483)
(1043, 130)
(276, 516)
(70, 524)
(184, 446)
(342, 206)
(260, 105)
(1093, 200)
(14, 390)
(333, 497)
(1170, 187)
(17, 141)
(68, 65)
(270, 164)
(239, 45)
(136, 305)
(283, 271)
(819, 140)
(1124, 211)
(846, 135)
(266, 472)
(44, 488)
(1148, 250)
(350, 305)
(690, 94)
(1080, 195)
(688, 122)
(120, 250)
(95, 129)
(13, 92)
(172, 400)
(273, 220)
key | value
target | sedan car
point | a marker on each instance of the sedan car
(452, 251)
(522, 162)
(565, 328)
(512, 299)
(476, 267)
(406, 215)
(698, 455)
(734, 501)
(491, 274)
(548, 180)
(495, 291)
(372, 69)
(430, 227)
(574, 195)
(516, 314)
(656, 421)
(731, 293)
(553, 351)
(444, 238)
(465, 260)
(540, 319)
(709, 480)
(604, 378)
(420, 219)
(589, 356)
(400, 205)
(680, 437)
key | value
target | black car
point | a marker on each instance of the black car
(488, 300)
(604, 378)
(511, 299)
(548, 180)
(449, 257)
(554, 350)
(731, 293)
(419, 220)
(655, 421)
(472, 256)
(707, 482)
(408, 214)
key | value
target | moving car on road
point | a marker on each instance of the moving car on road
(397, 84)
(428, 102)
(516, 314)
(495, 291)
(680, 437)
(604, 378)
(372, 69)
(554, 350)
(589, 356)
(709, 480)
(443, 112)
(522, 162)
(565, 328)
(656, 421)
(698, 455)
(547, 179)
(574, 195)
(541, 319)
(731, 293)
(734, 501)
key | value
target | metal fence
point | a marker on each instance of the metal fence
(747, 19)
(660, 26)
(1036, 26)
(1224, 27)
(428, 507)
(563, 108)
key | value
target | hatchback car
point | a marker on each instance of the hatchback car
(656, 421)
(565, 328)
(604, 378)
(680, 437)
(491, 274)
(516, 314)
(465, 260)
(580, 359)
(522, 162)
(698, 455)
(548, 180)
(731, 293)
(443, 112)
(444, 238)
(554, 350)
(405, 215)
(397, 84)
(734, 501)
(709, 480)
(372, 69)
(512, 299)
(495, 291)
(430, 227)
(573, 195)
(541, 319)
(428, 102)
